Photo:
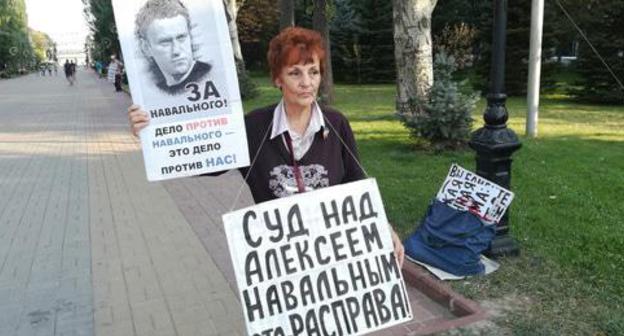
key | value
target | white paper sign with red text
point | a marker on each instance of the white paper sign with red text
(466, 191)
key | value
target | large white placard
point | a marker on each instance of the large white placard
(466, 191)
(181, 71)
(317, 263)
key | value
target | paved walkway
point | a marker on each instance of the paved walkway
(87, 245)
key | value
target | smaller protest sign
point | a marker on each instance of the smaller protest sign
(466, 191)
(317, 263)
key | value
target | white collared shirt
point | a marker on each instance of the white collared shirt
(301, 142)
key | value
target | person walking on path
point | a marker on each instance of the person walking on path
(98, 68)
(115, 69)
(68, 72)
(72, 70)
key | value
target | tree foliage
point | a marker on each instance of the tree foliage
(16, 51)
(101, 21)
(345, 46)
(464, 29)
(375, 39)
(561, 33)
(456, 28)
(362, 41)
(517, 47)
(604, 29)
(42, 45)
(258, 22)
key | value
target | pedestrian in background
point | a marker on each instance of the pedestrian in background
(98, 68)
(68, 73)
(115, 69)
(72, 71)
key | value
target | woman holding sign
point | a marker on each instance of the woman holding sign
(295, 145)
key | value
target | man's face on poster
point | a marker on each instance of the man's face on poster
(169, 44)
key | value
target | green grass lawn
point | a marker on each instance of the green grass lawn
(567, 214)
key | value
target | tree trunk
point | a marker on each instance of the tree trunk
(246, 86)
(413, 50)
(320, 24)
(287, 13)
(231, 12)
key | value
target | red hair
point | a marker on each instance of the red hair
(294, 45)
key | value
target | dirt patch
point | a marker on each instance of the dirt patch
(500, 307)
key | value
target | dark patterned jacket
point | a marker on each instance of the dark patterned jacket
(326, 163)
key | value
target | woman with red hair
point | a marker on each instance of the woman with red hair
(299, 145)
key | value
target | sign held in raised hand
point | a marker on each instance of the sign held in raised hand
(181, 71)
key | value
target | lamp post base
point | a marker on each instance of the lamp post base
(494, 146)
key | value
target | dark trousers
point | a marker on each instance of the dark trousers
(117, 82)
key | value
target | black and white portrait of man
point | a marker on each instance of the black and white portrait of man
(163, 30)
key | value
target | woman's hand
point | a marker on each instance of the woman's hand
(399, 251)
(138, 119)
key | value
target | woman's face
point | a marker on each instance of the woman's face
(300, 83)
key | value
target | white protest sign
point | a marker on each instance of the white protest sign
(317, 263)
(181, 71)
(466, 191)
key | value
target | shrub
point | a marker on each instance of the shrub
(248, 89)
(444, 119)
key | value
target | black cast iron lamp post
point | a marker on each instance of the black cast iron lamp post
(494, 142)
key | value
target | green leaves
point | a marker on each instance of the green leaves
(99, 15)
(15, 49)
